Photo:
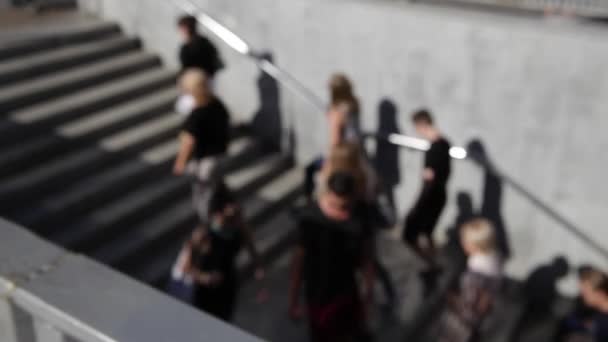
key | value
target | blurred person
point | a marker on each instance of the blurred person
(577, 326)
(343, 122)
(334, 245)
(203, 139)
(208, 259)
(348, 158)
(196, 52)
(423, 217)
(595, 295)
(479, 285)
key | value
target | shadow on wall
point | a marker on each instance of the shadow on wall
(541, 295)
(386, 156)
(491, 207)
(267, 124)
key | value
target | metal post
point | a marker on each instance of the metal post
(8, 322)
(47, 333)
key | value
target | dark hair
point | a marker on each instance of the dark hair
(221, 197)
(342, 184)
(422, 116)
(188, 22)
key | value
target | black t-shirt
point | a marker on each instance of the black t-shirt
(600, 328)
(210, 126)
(438, 159)
(333, 252)
(224, 247)
(200, 53)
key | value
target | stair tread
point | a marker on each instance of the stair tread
(66, 53)
(50, 108)
(238, 179)
(74, 75)
(59, 35)
(275, 191)
(142, 131)
(89, 123)
(89, 154)
(136, 199)
(108, 121)
(100, 218)
(120, 247)
(83, 189)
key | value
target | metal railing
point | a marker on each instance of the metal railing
(48, 294)
(401, 140)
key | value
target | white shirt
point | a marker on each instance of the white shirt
(489, 264)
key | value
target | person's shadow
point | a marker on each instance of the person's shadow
(491, 207)
(386, 156)
(466, 212)
(267, 123)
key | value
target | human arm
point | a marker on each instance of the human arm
(186, 148)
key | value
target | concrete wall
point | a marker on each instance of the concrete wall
(533, 91)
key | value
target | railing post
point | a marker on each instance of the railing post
(47, 333)
(8, 322)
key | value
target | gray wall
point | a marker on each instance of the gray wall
(533, 91)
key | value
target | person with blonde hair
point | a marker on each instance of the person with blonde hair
(203, 138)
(347, 157)
(478, 286)
(342, 118)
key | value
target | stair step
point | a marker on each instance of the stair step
(58, 208)
(100, 225)
(102, 222)
(251, 178)
(75, 134)
(67, 169)
(92, 123)
(77, 35)
(273, 197)
(35, 120)
(77, 100)
(63, 58)
(43, 88)
(120, 251)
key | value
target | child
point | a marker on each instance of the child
(478, 285)
(209, 258)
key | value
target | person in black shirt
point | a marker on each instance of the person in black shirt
(334, 243)
(204, 138)
(197, 51)
(421, 221)
(211, 255)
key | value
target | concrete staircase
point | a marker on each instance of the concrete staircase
(87, 140)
